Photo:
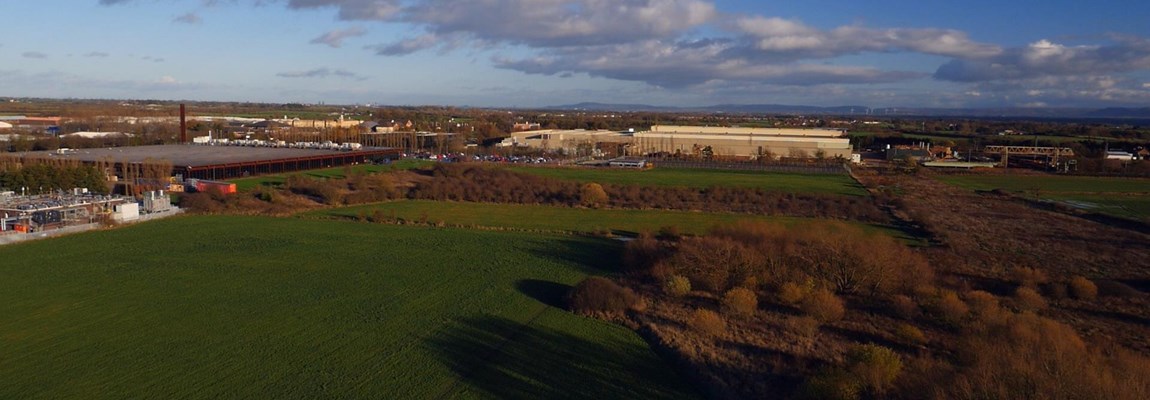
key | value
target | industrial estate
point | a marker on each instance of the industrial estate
(287, 250)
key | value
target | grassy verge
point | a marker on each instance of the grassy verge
(245, 307)
(555, 219)
(1049, 183)
(1123, 197)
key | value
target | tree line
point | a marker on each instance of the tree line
(44, 178)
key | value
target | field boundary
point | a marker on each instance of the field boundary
(1104, 219)
(803, 168)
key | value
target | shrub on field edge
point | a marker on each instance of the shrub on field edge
(823, 305)
(1030, 277)
(592, 195)
(806, 327)
(981, 302)
(910, 334)
(601, 296)
(1032, 357)
(677, 286)
(904, 307)
(1083, 289)
(707, 322)
(1028, 299)
(740, 302)
(832, 384)
(791, 293)
(949, 309)
(875, 367)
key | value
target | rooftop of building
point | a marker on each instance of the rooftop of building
(187, 154)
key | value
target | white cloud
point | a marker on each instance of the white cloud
(335, 38)
(322, 72)
(558, 23)
(692, 63)
(354, 10)
(34, 55)
(1067, 90)
(692, 44)
(1046, 58)
(190, 18)
(407, 46)
(777, 35)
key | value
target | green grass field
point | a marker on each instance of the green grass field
(547, 218)
(701, 178)
(1049, 183)
(1135, 207)
(1124, 197)
(254, 307)
(243, 184)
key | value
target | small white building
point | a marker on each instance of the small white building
(127, 212)
(1119, 155)
(157, 201)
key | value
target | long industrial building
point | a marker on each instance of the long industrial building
(567, 140)
(742, 142)
(220, 162)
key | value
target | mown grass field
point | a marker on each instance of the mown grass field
(701, 178)
(1049, 183)
(547, 218)
(1125, 197)
(243, 184)
(254, 307)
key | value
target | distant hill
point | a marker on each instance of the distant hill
(591, 106)
(722, 108)
(1120, 112)
(1016, 112)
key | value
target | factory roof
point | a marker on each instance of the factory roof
(187, 155)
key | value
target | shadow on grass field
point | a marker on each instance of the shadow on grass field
(596, 256)
(503, 359)
(553, 294)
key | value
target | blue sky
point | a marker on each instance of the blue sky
(526, 53)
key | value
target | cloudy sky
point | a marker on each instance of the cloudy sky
(525, 53)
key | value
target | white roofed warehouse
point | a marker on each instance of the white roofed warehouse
(749, 143)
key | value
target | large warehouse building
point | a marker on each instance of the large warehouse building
(742, 142)
(218, 162)
(567, 140)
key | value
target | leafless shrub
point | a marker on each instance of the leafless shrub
(1083, 289)
(875, 367)
(707, 323)
(910, 334)
(1029, 277)
(1028, 299)
(740, 302)
(905, 307)
(677, 286)
(806, 327)
(601, 296)
(791, 293)
(824, 306)
(949, 309)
